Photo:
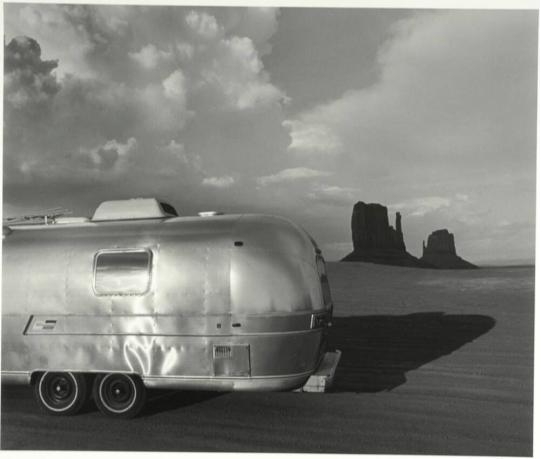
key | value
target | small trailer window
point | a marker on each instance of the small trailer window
(122, 272)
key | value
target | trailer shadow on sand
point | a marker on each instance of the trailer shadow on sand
(378, 350)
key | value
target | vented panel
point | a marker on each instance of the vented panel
(222, 352)
(231, 360)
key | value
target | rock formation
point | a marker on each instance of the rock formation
(440, 252)
(375, 241)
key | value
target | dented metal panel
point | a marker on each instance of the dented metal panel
(249, 284)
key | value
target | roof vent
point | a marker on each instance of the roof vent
(210, 213)
(133, 209)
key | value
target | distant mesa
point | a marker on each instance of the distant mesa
(375, 241)
(440, 252)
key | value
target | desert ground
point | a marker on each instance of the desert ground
(434, 362)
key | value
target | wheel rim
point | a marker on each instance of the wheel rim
(118, 392)
(58, 391)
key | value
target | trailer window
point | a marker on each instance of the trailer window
(122, 272)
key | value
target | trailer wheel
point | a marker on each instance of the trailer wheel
(61, 393)
(119, 395)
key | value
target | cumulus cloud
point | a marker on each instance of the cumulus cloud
(203, 24)
(82, 112)
(291, 175)
(94, 94)
(80, 36)
(312, 138)
(219, 182)
(237, 72)
(431, 103)
(257, 23)
(162, 107)
(150, 56)
(112, 155)
(97, 28)
(102, 41)
(51, 28)
(175, 87)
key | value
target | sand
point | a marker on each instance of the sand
(434, 362)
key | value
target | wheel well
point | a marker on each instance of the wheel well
(35, 376)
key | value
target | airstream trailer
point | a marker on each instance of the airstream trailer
(137, 297)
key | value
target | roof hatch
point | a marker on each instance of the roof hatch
(133, 209)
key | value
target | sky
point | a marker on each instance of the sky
(299, 112)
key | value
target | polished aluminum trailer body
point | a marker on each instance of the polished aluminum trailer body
(228, 302)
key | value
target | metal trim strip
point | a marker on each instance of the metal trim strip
(27, 374)
(225, 378)
(173, 325)
(15, 376)
(205, 335)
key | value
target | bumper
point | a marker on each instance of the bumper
(229, 384)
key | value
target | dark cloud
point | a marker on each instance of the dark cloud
(29, 80)
(30, 87)
(25, 53)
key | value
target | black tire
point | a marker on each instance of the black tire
(119, 395)
(61, 393)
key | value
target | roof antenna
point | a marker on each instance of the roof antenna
(41, 217)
